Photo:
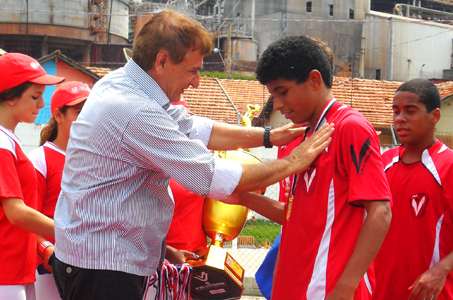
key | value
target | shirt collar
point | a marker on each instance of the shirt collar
(11, 135)
(322, 117)
(146, 83)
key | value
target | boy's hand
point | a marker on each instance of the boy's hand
(45, 259)
(429, 285)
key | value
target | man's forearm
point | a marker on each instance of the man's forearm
(230, 137)
(271, 209)
(258, 176)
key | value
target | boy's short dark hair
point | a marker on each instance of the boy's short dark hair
(293, 58)
(425, 89)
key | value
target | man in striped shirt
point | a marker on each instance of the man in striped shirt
(114, 210)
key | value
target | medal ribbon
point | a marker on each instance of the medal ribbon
(172, 282)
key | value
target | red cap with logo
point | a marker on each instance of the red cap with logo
(69, 94)
(17, 68)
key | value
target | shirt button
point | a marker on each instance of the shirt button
(68, 270)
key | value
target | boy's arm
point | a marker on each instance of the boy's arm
(370, 240)
(271, 209)
(430, 283)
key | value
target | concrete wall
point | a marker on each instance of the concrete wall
(404, 48)
(47, 12)
(71, 13)
(344, 38)
(445, 125)
(28, 135)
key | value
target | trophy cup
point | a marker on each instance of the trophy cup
(217, 275)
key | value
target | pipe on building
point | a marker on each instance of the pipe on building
(390, 50)
(253, 19)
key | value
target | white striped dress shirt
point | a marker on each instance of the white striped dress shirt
(114, 209)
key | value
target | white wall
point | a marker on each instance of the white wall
(29, 135)
(406, 48)
(444, 127)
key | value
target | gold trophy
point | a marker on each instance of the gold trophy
(217, 275)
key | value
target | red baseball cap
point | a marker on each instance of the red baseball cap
(69, 94)
(17, 68)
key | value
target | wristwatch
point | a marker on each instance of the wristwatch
(267, 135)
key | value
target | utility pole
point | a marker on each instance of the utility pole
(228, 70)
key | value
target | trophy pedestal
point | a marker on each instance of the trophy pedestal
(216, 275)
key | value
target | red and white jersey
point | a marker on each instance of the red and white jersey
(321, 227)
(185, 232)
(49, 162)
(421, 232)
(17, 180)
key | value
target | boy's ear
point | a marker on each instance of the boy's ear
(435, 116)
(315, 79)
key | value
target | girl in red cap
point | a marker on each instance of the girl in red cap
(22, 85)
(49, 158)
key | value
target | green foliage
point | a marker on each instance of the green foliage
(263, 231)
(221, 75)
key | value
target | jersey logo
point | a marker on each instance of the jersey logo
(418, 205)
(360, 162)
(309, 180)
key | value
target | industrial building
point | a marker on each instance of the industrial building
(87, 31)
(370, 39)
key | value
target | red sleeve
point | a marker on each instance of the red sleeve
(361, 160)
(42, 188)
(9, 180)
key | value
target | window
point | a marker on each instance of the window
(351, 14)
(309, 6)
(331, 9)
(378, 74)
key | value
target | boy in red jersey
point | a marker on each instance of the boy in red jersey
(338, 211)
(416, 258)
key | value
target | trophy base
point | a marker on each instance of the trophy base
(216, 275)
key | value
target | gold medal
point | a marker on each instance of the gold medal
(290, 204)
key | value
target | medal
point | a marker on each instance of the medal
(290, 204)
(291, 198)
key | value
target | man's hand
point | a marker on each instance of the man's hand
(45, 258)
(284, 135)
(303, 155)
(429, 284)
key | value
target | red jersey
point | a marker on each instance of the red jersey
(321, 227)
(49, 162)
(421, 232)
(17, 180)
(186, 231)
